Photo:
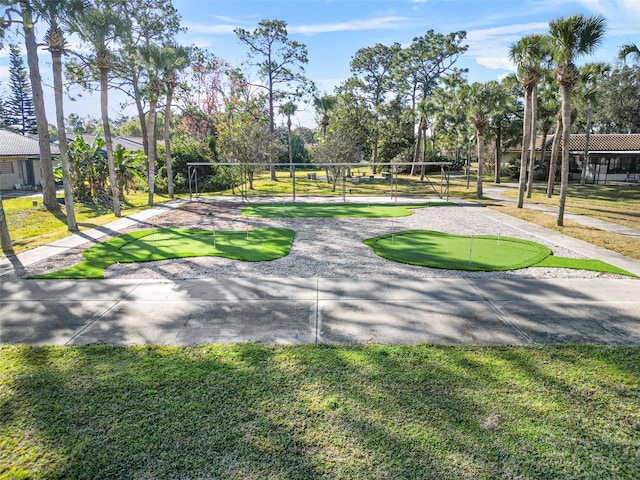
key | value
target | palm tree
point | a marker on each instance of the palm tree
(630, 49)
(175, 58)
(479, 110)
(99, 25)
(590, 74)
(324, 105)
(46, 164)
(5, 238)
(571, 38)
(288, 109)
(152, 56)
(53, 11)
(529, 54)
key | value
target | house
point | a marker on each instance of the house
(20, 161)
(612, 157)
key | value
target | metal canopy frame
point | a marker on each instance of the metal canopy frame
(442, 191)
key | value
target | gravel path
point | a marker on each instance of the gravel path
(323, 247)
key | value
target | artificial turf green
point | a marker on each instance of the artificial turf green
(476, 253)
(458, 252)
(256, 245)
(582, 264)
(334, 210)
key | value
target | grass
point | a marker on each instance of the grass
(474, 252)
(33, 226)
(256, 245)
(612, 203)
(341, 210)
(622, 244)
(309, 412)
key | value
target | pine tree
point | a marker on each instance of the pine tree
(19, 111)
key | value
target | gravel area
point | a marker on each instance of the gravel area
(323, 247)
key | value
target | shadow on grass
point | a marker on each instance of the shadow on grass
(306, 412)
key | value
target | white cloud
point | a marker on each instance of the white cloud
(496, 63)
(353, 25)
(215, 29)
(515, 31)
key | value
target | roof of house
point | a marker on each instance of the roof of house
(131, 144)
(598, 142)
(16, 145)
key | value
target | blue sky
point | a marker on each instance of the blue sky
(333, 30)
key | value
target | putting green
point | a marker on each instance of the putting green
(334, 210)
(257, 245)
(458, 252)
(477, 253)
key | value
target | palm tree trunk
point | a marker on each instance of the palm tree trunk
(5, 238)
(167, 141)
(480, 167)
(151, 140)
(290, 147)
(585, 163)
(376, 137)
(526, 141)
(416, 152)
(565, 92)
(46, 164)
(108, 142)
(56, 58)
(553, 161)
(534, 122)
(498, 154)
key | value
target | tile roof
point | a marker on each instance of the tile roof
(16, 145)
(599, 142)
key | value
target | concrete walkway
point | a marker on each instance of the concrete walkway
(496, 192)
(309, 310)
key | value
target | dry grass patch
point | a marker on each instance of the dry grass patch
(627, 246)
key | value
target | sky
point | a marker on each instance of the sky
(333, 30)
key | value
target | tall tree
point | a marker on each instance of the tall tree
(175, 59)
(480, 103)
(54, 12)
(421, 65)
(530, 54)
(629, 50)
(373, 68)
(288, 109)
(590, 75)
(323, 105)
(5, 238)
(280, 62)
(571, 37)
(19, 112)
(26, 12)
(100, 24)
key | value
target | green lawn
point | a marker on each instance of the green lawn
(335, 210)
(255, 245)
(32, 226)
(474, 252)
(309, 412)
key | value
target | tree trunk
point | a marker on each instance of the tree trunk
(534, 122)
(585, 163)
(290, 147)
(480, 166)
(526, 141)
(151, 140)
(416, 153)
(553, 161)
(108, 142)
(272, 169)
(498, 154)
(167, 141)
(44, 142)
(141, 116)
(376, 137)
(5, 238)
(56, 58)
(565, 91)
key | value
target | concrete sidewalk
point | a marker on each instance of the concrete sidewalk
(310, 310)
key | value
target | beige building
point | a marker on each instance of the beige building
(20, 161)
